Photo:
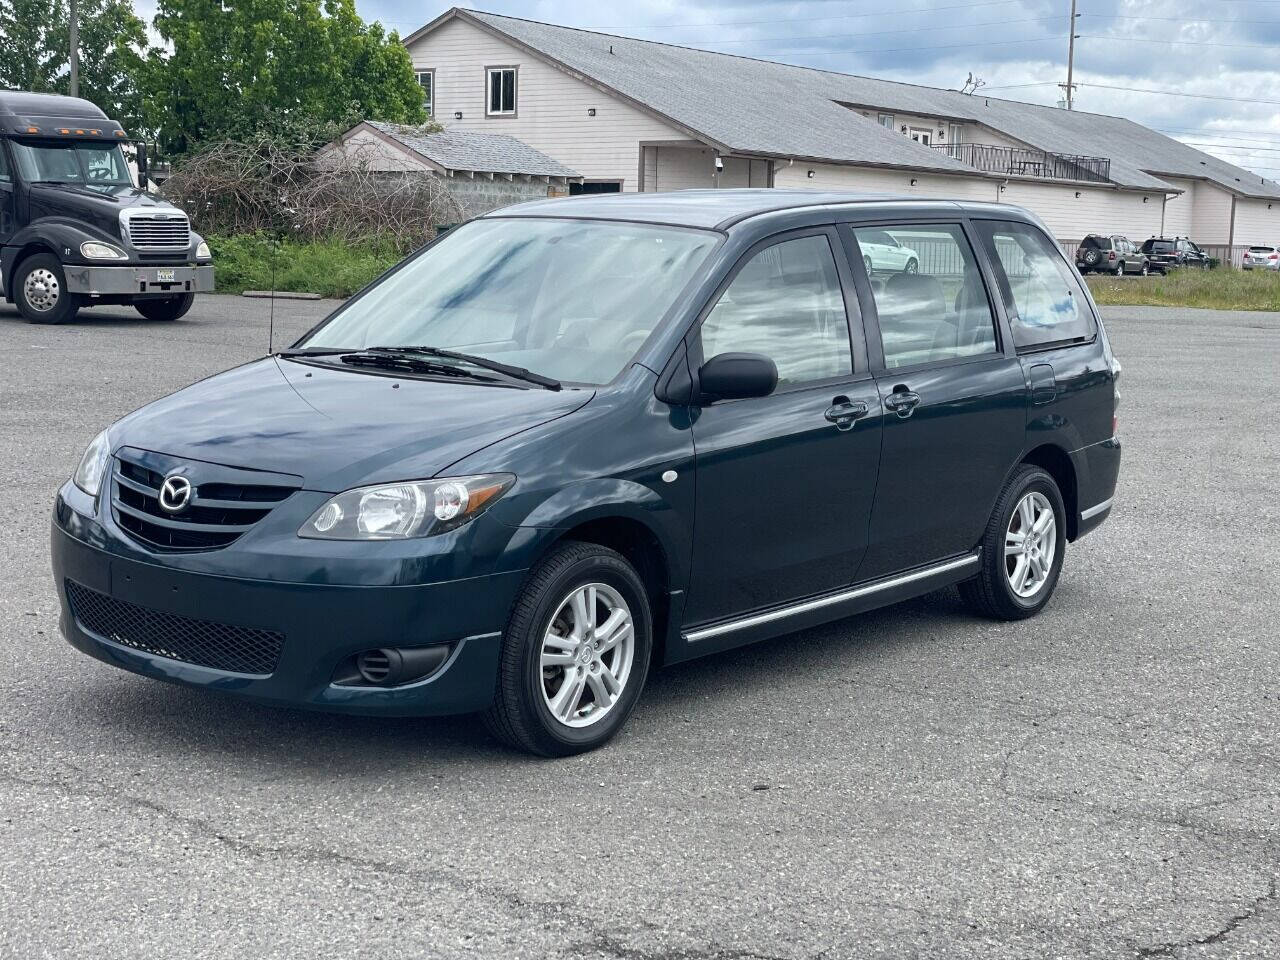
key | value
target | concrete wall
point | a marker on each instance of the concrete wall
(551, 106)
(482, 195)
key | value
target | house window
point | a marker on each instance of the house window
(953, 133)
(921, 135)
(885, 120)
(502, 91)
(427, 81)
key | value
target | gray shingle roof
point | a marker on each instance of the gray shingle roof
(756, 106)
(478, 152)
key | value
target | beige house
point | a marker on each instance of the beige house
(637, 115)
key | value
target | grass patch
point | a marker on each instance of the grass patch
(1212, 289)
(330, 268)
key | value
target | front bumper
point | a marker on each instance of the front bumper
(323, 626)
(160, 280)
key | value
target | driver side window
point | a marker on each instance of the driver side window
(785, 303)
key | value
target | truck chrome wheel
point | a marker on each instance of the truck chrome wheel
(41, 290)
(587, 654)
(1030, 544)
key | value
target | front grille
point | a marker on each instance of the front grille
(217, 514)
(205, 643)
(156, 233)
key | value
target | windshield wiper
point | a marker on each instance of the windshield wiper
(516, 373)
(409, 365)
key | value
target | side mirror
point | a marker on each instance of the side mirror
(736, 376)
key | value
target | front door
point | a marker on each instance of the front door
(954, 402)
(784, 482)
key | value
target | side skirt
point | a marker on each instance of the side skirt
(739, 631)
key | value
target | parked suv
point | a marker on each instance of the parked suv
(1110, 255)
(75, 231)
(574, 440)
(1262, 257)
(1166, 253)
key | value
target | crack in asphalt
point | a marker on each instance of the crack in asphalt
(1232, 924)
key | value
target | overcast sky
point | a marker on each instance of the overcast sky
(1018, 47)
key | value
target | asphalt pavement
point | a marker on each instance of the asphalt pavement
(1101, 781)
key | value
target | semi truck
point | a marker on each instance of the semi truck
(76, 230)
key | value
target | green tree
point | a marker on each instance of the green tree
(34, 37)
(228, 68)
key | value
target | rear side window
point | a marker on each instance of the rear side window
(930, 298)
(786, 304)
(1045, 303)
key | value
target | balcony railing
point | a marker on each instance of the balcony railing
(1025, 162)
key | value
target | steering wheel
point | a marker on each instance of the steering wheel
(99, 173)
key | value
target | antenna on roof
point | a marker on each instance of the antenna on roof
(972, 84)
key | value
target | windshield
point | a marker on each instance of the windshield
(567, 299)
(95, 164)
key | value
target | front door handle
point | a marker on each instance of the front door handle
(903, 402)
(844, 413)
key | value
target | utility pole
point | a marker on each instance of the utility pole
(74, 35)
(1070, 85)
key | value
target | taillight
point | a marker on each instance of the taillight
(1274, 256)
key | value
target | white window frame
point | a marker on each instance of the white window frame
(885, 120)
(429, 102)
(921, 135)
(489, 74)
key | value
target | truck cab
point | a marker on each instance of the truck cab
(75, 229)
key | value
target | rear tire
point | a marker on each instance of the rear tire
(40, 291)
(1030, 499)
(554, 639)
(170, 308)
(1120, 269)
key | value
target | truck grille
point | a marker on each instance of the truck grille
(170, 233)
(217, 513)
(205, 643)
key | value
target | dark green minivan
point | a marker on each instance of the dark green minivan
(575, 440)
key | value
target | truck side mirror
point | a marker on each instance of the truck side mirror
(142, 163)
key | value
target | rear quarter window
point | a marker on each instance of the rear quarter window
(1044, 301)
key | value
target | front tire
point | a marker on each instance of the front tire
(1120, 269)
(1022, 549)
(913, 266)
(170, 308)
(575, 653)
(40, 291)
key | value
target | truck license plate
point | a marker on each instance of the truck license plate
(166, 276)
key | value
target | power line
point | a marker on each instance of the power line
(1228, 146)
(1260, 141)
(1179, 93)
(944, 46)
(1180, 43)
(846, 16)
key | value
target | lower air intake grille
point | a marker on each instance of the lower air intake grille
(202, 642)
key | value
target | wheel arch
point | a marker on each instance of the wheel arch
(22, 252)
(639, 542)
(1055, 461)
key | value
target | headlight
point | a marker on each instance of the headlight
(203, 252)
(397, 511)
(93, 250)
(93, 465)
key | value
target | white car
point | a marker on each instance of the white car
(1262, 257)
(882, 253)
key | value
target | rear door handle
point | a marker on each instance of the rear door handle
(844, 413)
(902, 402)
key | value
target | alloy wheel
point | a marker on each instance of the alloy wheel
(41, 290)
(1030, 545)
(587, 655)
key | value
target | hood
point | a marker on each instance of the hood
(100, 206)
(336, 428)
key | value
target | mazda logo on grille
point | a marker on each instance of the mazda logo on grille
(175, 494)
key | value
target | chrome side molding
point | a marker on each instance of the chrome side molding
(1095, 510)
(831, 599)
